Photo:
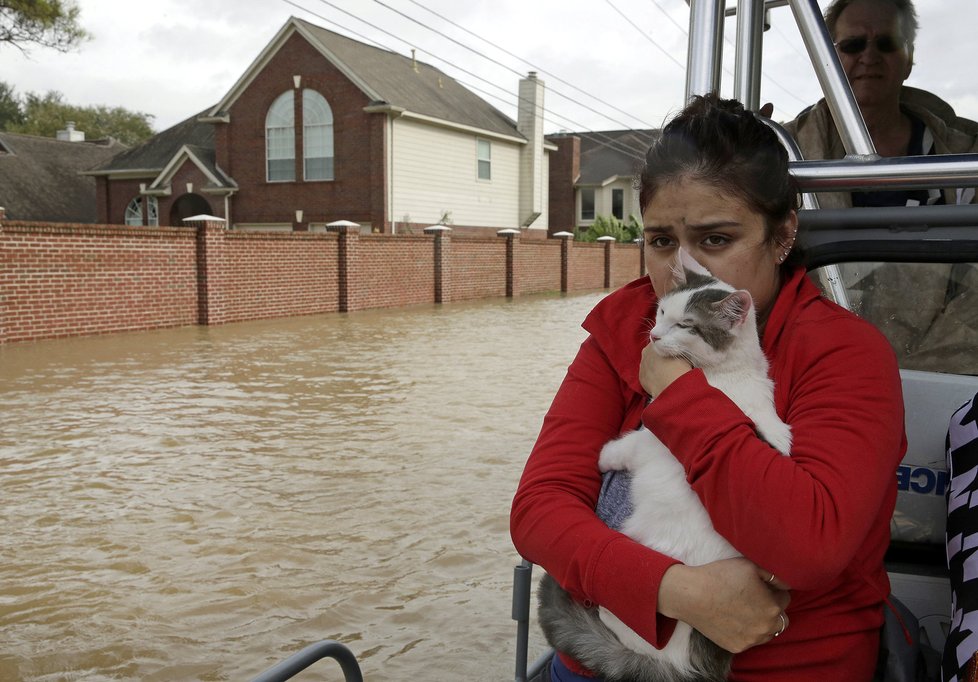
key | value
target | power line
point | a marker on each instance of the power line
(530, 64)
(647, 37)
(494, 61)
(611, 143)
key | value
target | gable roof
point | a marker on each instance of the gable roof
(152, 156)
(387, 79)
(612, 154)
(40, 177)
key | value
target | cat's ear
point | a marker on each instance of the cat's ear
(684, 266)
(735, 307)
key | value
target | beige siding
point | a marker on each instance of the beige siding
(435, 171)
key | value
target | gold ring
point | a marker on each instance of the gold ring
(784, 624)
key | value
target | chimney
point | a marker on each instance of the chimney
(533, 180)
(69, 134)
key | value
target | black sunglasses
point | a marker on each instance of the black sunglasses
(885, 44)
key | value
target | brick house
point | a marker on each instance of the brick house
(39, 176)
(594, 173)
(323, 128)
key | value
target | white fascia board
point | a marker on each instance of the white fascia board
(481, 132)
(171, 168)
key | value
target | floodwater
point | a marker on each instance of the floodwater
(199, 503)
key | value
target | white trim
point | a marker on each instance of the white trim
(125, 174)
(462, 127)
(290, 27)
(174, 164)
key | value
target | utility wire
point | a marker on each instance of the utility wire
(647, 36)
(494, 61)
(530, 64)
(609, 142)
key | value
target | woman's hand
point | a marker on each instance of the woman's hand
(657, 372)
(731, 602)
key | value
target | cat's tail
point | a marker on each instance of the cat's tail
(579, 632)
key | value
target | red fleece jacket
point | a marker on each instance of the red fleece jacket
(819, 519)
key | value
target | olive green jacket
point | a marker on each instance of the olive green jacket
(816, 134)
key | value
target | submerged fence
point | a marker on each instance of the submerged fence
(67, 279)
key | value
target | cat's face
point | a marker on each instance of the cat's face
(701, 322)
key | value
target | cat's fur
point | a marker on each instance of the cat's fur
(713, 326)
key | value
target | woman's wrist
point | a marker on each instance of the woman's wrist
(675, 591)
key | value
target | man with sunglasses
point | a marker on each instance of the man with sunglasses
(875, 43)
(924, 310)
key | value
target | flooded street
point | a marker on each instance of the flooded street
(199, 503)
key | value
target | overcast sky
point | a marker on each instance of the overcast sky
(607, 64)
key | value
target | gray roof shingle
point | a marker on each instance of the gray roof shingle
(614, 152)
(157, 151)
(427, 91)
(40, 180)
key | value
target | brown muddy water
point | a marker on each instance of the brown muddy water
(199, 503)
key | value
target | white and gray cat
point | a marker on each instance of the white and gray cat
(714, 327)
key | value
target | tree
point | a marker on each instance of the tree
(10, 110)
(48, 23)
(45, 116)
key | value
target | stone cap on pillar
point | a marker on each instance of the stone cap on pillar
(563, 235)
(205, 220)
(606, 238)
(508, 232)
(437, 229)
(344, 226)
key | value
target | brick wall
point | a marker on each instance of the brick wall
(565, 169)
(69, 280)
(478, 268)
(357, 192)
(280, 275)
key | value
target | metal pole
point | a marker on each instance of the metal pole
(835, 85)
(747, 66)
(703, 60)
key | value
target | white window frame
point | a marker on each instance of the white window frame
(594, 199)
(280, 138)
(483, 153)
(317, 137)
(134, 212)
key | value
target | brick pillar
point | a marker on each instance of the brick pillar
(3, 281)
(512, 281)
(211, 268)
(609, 242)
(348, 247)
(442, 261)
(641, 256)
(567, 239)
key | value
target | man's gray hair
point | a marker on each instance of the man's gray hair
(905, 11)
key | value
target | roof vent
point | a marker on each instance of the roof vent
(69, 134)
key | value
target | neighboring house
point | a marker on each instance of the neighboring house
(39, 176)
(322, 128)
(594, 174)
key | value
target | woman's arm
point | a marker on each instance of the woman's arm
(839, 388)
(553, 524)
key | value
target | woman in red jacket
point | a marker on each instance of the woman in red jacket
(812, 527)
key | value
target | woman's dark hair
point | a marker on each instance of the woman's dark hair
(717, 141)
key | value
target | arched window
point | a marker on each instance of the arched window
(280, 138)
(134, 212)
(317, 136)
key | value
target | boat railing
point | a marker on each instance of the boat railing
(301, 660)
